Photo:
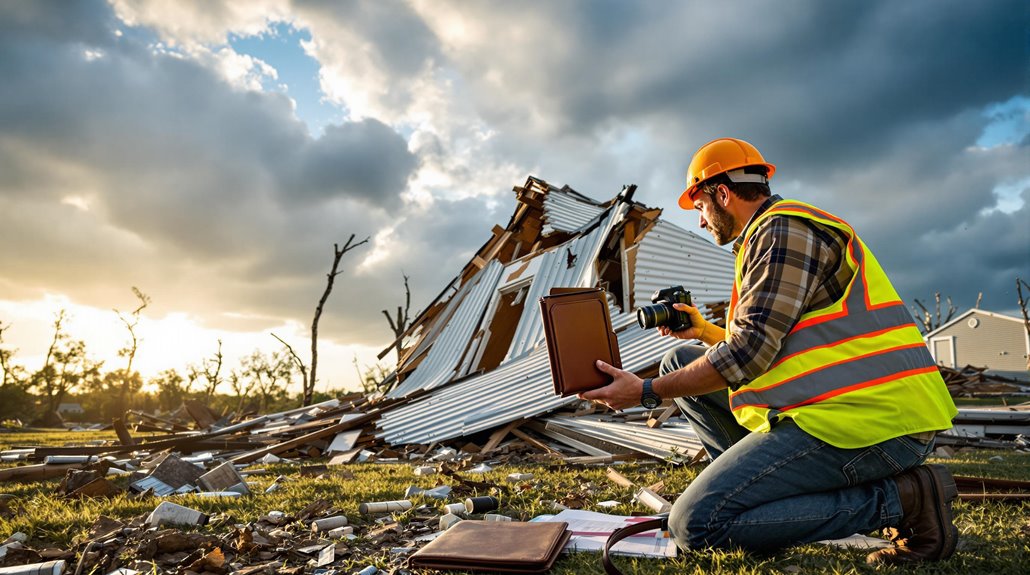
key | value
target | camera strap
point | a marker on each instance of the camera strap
(624, 532)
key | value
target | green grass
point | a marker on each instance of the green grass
(994, 535)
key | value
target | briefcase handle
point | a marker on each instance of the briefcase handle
(624, 532)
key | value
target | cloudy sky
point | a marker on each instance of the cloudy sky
(210, 152)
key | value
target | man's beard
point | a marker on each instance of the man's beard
(722, 224)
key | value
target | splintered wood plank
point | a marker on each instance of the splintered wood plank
(656, 422)
(499, 435)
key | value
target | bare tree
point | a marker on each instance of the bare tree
(303, 369)
(309, 385)
(5, 358)
(308, 379)
(933, 321)
(1022, 308)
(373, 378)
(15, 399)
(211, 370)
(171, 388)
(128, 380)
(241, 388)
(193, 373)
(401, 324)
(267, 376)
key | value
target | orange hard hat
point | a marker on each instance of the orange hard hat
(723, 156)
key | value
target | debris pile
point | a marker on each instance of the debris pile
(973, 381)
(173, 537)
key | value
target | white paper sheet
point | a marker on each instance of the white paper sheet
(590, 531)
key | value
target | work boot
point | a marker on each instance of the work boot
(927, 532)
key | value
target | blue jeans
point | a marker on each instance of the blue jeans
(767, 491)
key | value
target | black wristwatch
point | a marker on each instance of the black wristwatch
(648, 398)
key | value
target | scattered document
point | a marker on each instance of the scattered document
(590, 531)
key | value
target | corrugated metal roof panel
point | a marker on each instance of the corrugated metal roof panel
(675, 441)
(439, 365)
(568, 212)
(669, 255)
(517, 389)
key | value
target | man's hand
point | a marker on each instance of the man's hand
(697, 324)
(701, 329)
(624, 390)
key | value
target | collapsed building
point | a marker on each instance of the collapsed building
(475, 358)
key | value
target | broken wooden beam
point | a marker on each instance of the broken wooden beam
(304, 439)
(656, 422)
(37, 472)
(123, 433)
(497, 436)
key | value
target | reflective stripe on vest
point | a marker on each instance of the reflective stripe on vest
(840, 361)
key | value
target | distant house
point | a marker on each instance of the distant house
(981, 338)
(70, 409)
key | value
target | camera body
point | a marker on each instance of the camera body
(662, 312)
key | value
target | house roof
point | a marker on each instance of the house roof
(557, 237)
(968, 313)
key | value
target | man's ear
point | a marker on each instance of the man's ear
(724, 195)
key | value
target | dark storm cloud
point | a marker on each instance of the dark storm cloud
(823, 80)
(180, 171)
(871, 109)
(986, 255)
(366, 159)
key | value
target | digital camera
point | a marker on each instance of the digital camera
(662, 312)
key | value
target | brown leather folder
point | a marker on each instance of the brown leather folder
(578, 331)
(494, 546)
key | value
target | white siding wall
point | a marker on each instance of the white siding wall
(995, 342)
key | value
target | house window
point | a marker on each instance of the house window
(502, 326)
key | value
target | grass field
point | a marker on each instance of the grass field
(994, 536)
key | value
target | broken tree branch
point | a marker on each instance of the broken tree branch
(296, 359)
(401, 324)
(1022, 308)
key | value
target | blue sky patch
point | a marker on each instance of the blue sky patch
(280, 48)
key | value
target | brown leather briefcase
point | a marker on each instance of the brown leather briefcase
(578, 331)
(501, 547)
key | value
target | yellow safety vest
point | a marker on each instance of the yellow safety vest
(854, 373)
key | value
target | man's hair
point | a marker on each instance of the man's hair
(747, 191)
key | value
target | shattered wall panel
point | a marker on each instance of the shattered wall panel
(449, 347)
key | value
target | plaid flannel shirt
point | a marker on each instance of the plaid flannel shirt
(791, 266)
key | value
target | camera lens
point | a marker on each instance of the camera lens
(651, 316)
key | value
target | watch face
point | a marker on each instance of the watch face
(651, 402)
